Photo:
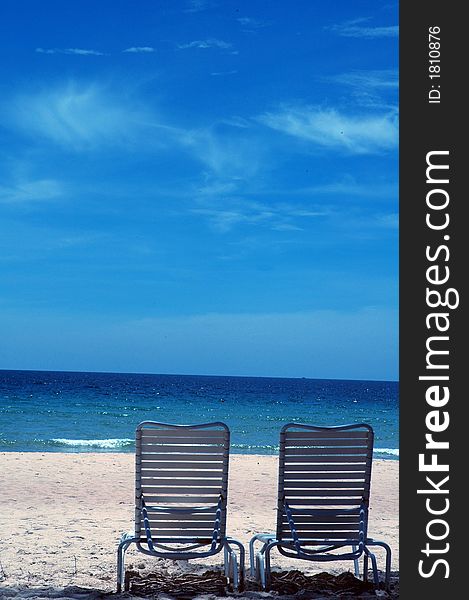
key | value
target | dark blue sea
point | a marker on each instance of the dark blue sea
(42, 411)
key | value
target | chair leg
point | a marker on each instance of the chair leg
(231, 558)
(263, 563)
(252, 557)
(267, 575)
(125, 542)
(374, 565)
(365, 567)
(234, 571)
(226, 565)
(260, 569)
(356, 565)
(264, 539)
(387, 576)
(120, 565)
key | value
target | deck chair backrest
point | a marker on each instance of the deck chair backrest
(326, 470)
(181, 466)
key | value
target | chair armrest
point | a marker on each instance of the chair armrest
(126, 536)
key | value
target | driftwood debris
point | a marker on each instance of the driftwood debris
(291, 582)
(184, 585)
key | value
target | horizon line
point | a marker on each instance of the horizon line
(198, 375)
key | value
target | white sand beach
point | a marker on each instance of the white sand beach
(61, 516)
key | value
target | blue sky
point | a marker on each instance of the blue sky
(198, 186)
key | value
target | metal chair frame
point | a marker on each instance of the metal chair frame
(323, 499)
(174, 465)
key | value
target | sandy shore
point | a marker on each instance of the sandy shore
(61, 516)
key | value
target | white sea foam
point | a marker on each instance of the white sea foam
(119, 443)
(270, 449)
(393, 451)
(263, 447)
(109, 443)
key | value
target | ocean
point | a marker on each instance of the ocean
(43, 411)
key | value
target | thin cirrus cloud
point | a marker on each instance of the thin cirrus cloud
(251, 24)
(359, 28)
(388, 221)
(376, 80)
(236, 155)
(196, 6)
(274, 216)
(329, 128)
(221, 73)
(204, 44)
(139, 50)
(224, 220)
(25, 192)
(76, 116)
(81, 117)
(348, 186)
(77, 51)
(90, 52)
(366, 226)
(373, 89)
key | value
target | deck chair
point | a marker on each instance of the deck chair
(323, 496)
(181, 484)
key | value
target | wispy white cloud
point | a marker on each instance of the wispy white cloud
(329, 128)
(224, 220)
(219, 73)
(250, 24)
(89, 117)
(224, 213)
(349, 186)
(229, 154)
(89, 52)
(217, 188)
(75, 115)
(388, 221)
(204, 44)
(237, 121)
(250, 21)
(377, 79)
(374, 89)
(78, 51)
(358, 28)
(195, 6)
(32, 191)
(232, 204)
(322, 200)
(139, 49)
(83, 117)
(39, 241)
(359, 224)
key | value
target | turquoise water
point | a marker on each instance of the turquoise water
(42, 411)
